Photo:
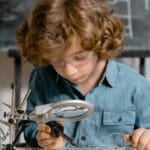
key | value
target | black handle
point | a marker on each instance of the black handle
(56, 129)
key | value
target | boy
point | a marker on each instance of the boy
(72, 43)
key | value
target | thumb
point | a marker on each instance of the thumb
(126, 138)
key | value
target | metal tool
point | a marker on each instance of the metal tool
(13, 118)
(66, 110)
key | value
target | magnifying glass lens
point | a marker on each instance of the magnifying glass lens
(69, 111)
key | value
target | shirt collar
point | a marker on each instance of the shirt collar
(110, 73)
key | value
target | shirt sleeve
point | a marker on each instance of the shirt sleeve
(143, 105)
(35, 98)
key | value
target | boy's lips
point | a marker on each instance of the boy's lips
(75, 79)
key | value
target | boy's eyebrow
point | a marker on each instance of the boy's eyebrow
(78, 52)
(75, 53)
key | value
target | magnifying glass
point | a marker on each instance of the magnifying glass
(66, 110)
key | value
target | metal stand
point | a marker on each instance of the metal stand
(17, 74)
(12, 146)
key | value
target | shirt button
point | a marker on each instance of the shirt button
(83, 138)
(120, 119)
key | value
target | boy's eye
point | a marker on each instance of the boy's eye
(80, 56)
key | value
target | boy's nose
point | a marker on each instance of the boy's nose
(69, 69)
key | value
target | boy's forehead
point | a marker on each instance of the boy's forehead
(68, 54)
(74, 47)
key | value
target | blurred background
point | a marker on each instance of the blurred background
(134, 14)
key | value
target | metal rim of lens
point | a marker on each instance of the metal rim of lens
(67, 103)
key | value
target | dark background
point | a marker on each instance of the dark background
(140, 22)
(134, 13)
(12, 12)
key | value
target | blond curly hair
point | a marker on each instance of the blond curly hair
(47, 31)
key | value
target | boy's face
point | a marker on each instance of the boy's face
(75, 70)
(78, 66)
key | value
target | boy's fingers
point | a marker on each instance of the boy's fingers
(44, 143)
(126, 138)
(134, 138)
(43, 128)
(42, 135)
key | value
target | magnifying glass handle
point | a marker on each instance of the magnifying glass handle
(68, 139)
(57, 130)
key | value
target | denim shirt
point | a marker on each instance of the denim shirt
(121, 103)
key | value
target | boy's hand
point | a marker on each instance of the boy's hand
(140, 139)
(46, 141)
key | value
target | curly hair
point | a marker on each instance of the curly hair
(47, 31)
